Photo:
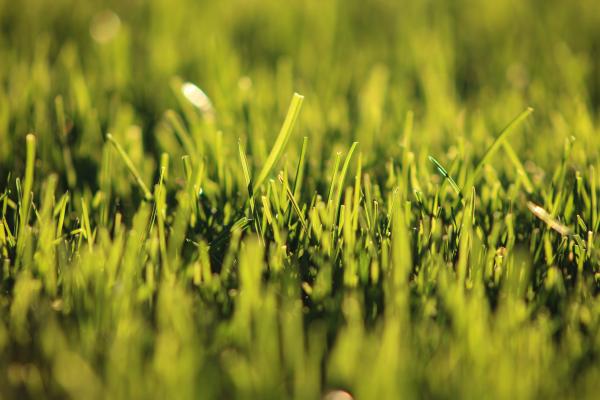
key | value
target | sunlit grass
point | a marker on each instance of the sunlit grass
(173, 226)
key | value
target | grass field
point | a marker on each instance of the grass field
(280, 199)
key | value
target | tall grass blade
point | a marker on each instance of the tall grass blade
(282, 139)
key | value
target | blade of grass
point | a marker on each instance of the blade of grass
(295, 205)
(132, 169)
(160, 210)
(499, 140)
(282, 138)
(270, 220)
(594, 198)
(299, 176)
(342, 178)
(181, 133)
(247, 175)
(300, 169)
(512, 156)
(336, 166)
(542, 214)
(86, 224)
(30, 143)
(356, 203)
(61, 216)
(28, 182)
(446, 175)
(249, 187)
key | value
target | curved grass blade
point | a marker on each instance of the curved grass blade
(282, 138)
(499, 140)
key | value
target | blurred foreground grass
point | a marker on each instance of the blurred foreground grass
(162, 236)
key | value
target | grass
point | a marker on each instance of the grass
(171, 226)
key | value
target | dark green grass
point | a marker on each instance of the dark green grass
(176, 222)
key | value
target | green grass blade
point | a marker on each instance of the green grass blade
(247, 175)
(342, 178)
(129, 164)
(300, 169)
(356, 202)
(512, 156)
(282, 139)
(503, 134)
(336, 166)
(295, 205)
(86, 224)
(30, 142)
(182, 134)
(28, 182)
(446, 175)
(61, 215)
(245, 169)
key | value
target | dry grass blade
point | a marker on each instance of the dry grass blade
(542, 214)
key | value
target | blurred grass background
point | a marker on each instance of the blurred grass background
(462, 67)
(103, 319)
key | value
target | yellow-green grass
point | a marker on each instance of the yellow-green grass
(176, 221)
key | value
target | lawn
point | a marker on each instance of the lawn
(268, 199)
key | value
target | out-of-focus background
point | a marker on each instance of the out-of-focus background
(362, 65)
